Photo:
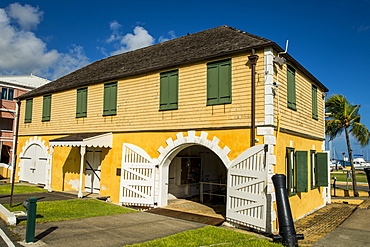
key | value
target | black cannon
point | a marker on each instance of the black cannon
(287, 234)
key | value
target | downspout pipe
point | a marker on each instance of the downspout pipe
(14, 154)
(253, 61)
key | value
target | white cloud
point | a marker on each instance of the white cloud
(22, 52)
(131, 41)
(28, 17)
(362, 28)
(69, 62)
(170, 33)
(114, 26)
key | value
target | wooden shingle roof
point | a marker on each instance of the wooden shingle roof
(199, 46)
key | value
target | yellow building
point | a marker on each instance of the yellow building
(212, 115)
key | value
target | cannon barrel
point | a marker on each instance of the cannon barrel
(287, 234)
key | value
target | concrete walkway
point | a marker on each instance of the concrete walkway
(354, 231)
(113, 230)
(125, 229)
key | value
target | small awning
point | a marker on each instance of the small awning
(95, 139)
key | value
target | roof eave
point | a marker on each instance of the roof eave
(118, 77)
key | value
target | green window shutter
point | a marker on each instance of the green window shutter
(219, 82)
(314, 102)
(322, 169)
(169, 91)
(212, 84)
(302, 171)
(28, 115)
(291, 88)
(110, 99)
(113, 101)
(173, 91)
(225, 82)
(81, 107)
(164, 88)
(106, 106)
(46, 108)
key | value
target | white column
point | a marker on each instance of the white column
(82, 152)
(48, 185)
(268, 132)
(269, 80)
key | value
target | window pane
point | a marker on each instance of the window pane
(4, 93)
(290, 171)
(10, 94)
(6, 124)
(313, 170)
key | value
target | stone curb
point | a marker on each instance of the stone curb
(7, 216)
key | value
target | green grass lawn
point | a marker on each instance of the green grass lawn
(208, 236)
(19, 189)
(341, 176)
(71, 209)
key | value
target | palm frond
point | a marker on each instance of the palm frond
(344, 115)
(361, 133)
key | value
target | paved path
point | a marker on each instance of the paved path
(113, 230)
(43, 196)
(7, 237)
(124, 229)
(354, 231)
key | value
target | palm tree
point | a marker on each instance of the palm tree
(343, 116)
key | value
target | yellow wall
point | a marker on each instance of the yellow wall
(138, 104)
(299, 120)
(138, 110)
(5, 172)
(302, 202)
(66, 160)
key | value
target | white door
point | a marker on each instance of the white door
(93, 165)
(137, 177)
(246, 188)
(34, 165)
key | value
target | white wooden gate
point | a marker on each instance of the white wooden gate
(246, 188)
(33, 168)
(137, 177)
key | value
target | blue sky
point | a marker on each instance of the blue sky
(331, 39)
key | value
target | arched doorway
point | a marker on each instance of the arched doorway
(198, 174)
(145, 181)
(33, 165)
